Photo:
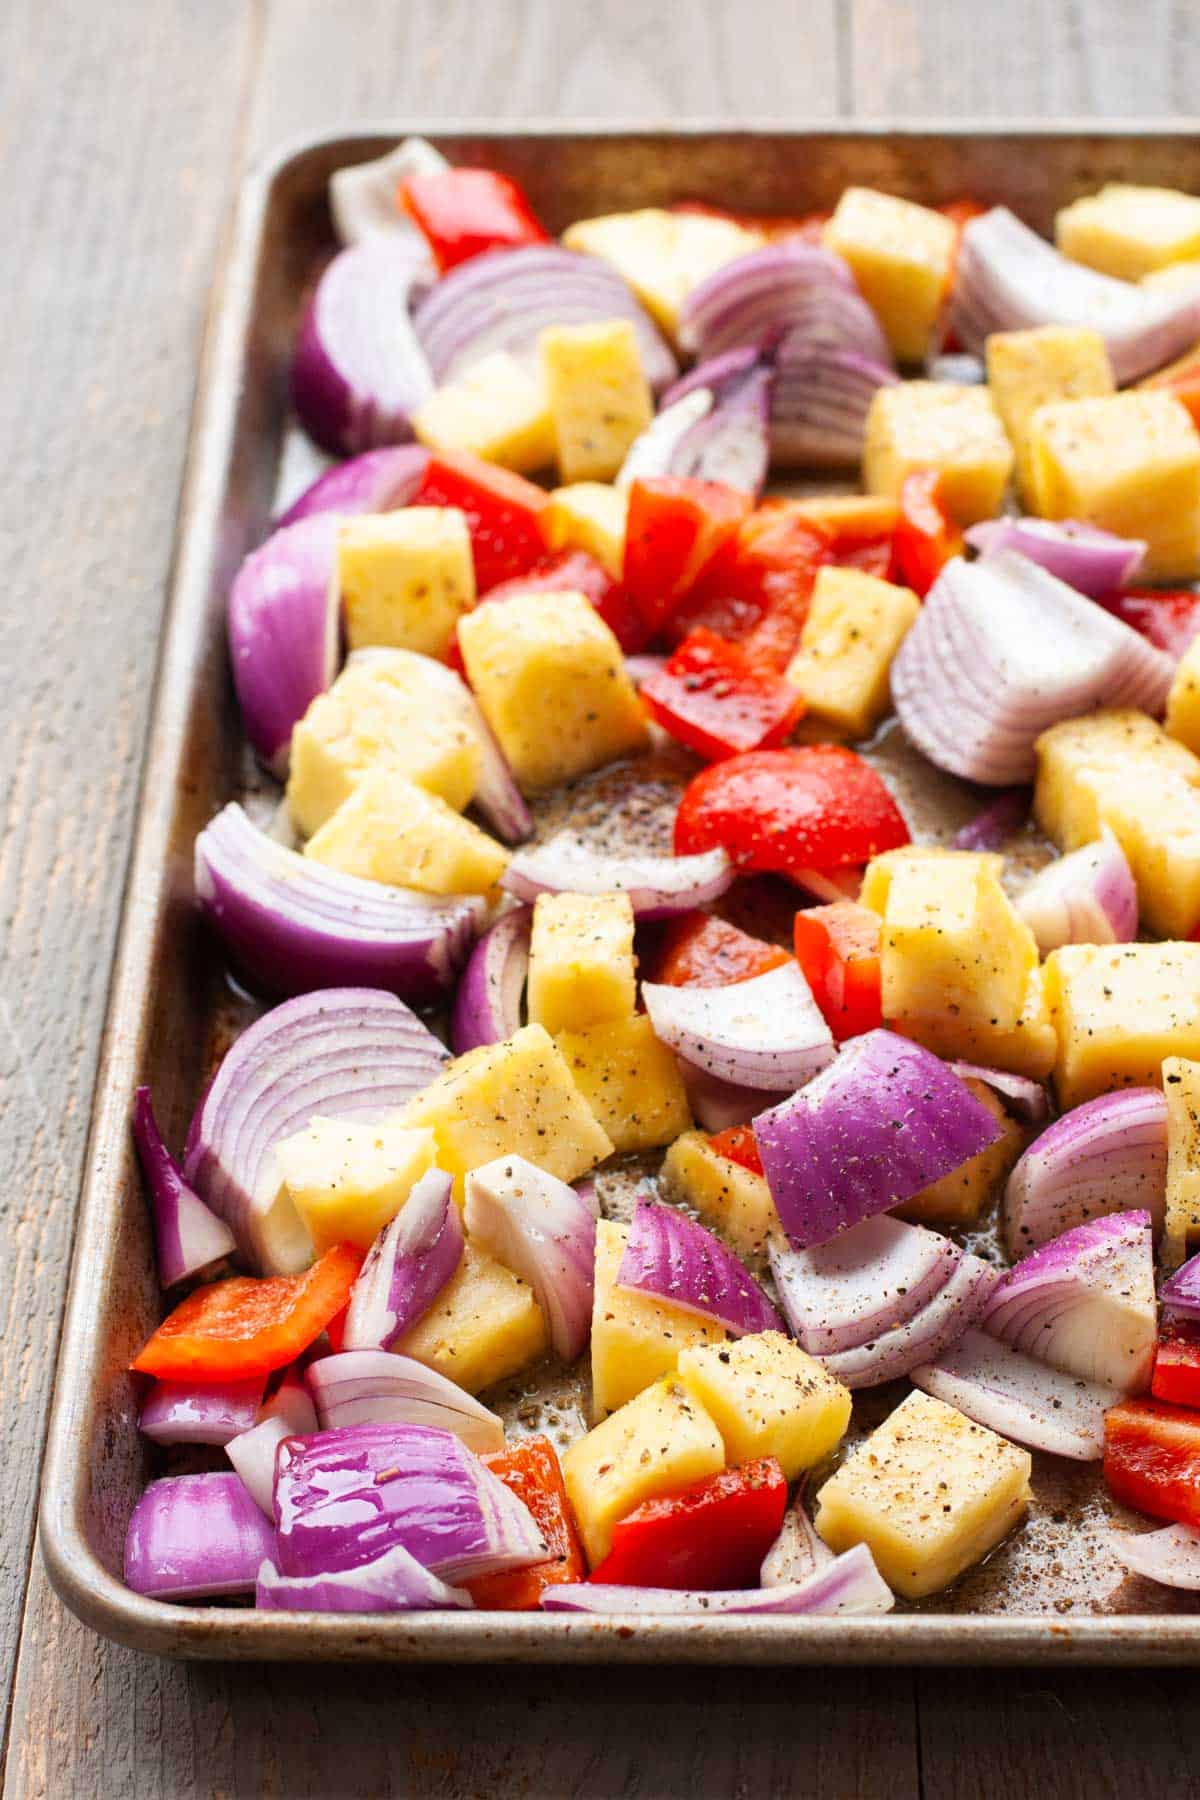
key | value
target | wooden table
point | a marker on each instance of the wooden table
(126, 127)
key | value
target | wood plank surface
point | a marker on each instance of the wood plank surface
(125, 126)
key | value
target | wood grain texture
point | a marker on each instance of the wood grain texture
(125, 125)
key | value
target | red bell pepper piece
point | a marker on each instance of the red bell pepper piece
(504, 512)
(1177, 1364)
(837, 947)
(249, 1326)
(710, 696)
(1152, 1459)
(463, 212)
(737, 1143)
(813, 806)
(576, 571)
(700, 950)
(757, 591)
(1170, 619)
(674, 529)
(926, 536)
(712, 1535)
(531, 1470)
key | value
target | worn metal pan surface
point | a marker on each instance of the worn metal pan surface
(1053, 1593)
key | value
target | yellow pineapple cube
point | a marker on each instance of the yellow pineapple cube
(960, 1198)
(769, 1398)
(405, 577)
(726, 1195)
(363, 722)
(1129, 231)
(484, 1326)
(511, 1099)
(598, 396)
(1181, 1217)
(1119, 1010)
(662, 255)
(1129, 463)
(390, 830)
(929, 1492)
(855, 625)
(939, 425)
(902, 257)
(1028, 369)
(551, 680)
(591, 516)
(848, 515)
(1183, 702)
(495, 409)
(581, 962)
(348, 1179)
(630, 1080)
(1175, 277)
(1027, 1048)
(635, 1337)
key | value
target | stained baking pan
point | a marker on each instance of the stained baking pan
(1052, 1593)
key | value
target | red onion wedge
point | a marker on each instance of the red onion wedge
(658, 886)
(673, 1258)
(819, 404)
(291, 925)
(850, 1585)
(540, 1228)
(767, 1032)
(1092, 561)
(1019, 1397)
(394, 1582)
(718, 1104)
(826, 886)
(375, 1387)
(195, 1537)
(654, 452)
(1025, 1098)
(282, 622)
(1007, 278)
(188, 1236)
(344, 1053)
(991, 828)
(885, 1120)
(288, 1413)
(1088, 896)
(505, 299)
(1170, 1556)
(728, 442)
(1107, 1156)
(343, 1498)
(487, 1006)
(865, 1282)
(364, 197)
(377, 481)
(958, 367)
(407, 1266)
(358, 370)
(797, 1552)
(951, 1311)
(1002, 650)
(760, 298)
(182, 1412)
(1084, 1303)
(1181, 1291)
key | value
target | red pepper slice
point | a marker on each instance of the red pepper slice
(837, 947)
(249, 1326)
(1170, 619)
(757, 591)
(700, 950)
(813, 806)
(674, 529)
(463, 212)
(504, 512)
(576, 571)
(711, 1535)
(1177, 1365)
(1152, 1459)
(737, 1143)
(710, 696)
(532, 1471)
(926, 536)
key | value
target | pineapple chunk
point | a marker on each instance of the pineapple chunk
(495, 409)
(1028, 1048)
(635, 1338)
(855, 625)
(732, 1198)
(405, 577)
(848, 515)
(1183, 702)
(511, 1099)
(365, 721)
(347, 1179)
(391, 830)
(590, 515)
(1129, 463)
(598, 395)
(1181, 1218)
(929, 1492)
(769, 1398)
(959, 1198)
(1129, 231)
(1027, 369)
(581, 962)
(1120, 1009)
(484, 1326)
(630, 1080)
(902, 256)
(939, 425)
(661, 1442)
(663, 255)
(551, 680)
(1174, 278)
